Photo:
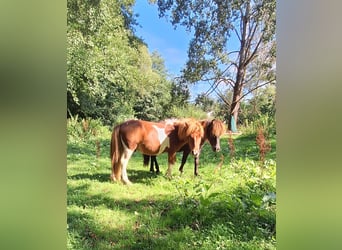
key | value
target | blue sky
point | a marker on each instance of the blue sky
(160, 35)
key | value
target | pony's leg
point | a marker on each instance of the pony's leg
(117, 171)
(151, 164)
(112, 175)
(124, 162)
(146, 160)
(171, 160)
(156, 164)
(186, 153)
(196, 160)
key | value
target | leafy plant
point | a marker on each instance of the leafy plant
(233, 208)
(266, 122)
(263, 144)
(83, 129)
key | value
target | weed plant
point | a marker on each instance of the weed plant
(233, 207)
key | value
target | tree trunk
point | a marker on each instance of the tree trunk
(234, 108)
(241, 71)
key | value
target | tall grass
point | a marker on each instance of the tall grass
(231, 207)
(267, 123)
(188, 111)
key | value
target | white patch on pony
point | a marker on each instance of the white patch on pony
(127, 153)
(169, 170)
(164, 141)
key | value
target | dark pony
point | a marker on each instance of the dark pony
(212, 131)
(152, 138)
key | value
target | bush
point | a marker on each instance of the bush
(79, 130)
(188, 111)
(266, 122)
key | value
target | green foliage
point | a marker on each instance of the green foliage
(99, 56)
(110, 73)
(213, 23)
(266, 122)
(180, 94)
(244, 66)
(230, 209)
(83, 130)
(205, 103)
(262, 103)
(187, 111)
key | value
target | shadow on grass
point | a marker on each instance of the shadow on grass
(95, 177)
(142, 176)
(135, 176)
(237, 216)
(168, 223)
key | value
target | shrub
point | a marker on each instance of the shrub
(79, 130)
(266, 122)
(188, 111)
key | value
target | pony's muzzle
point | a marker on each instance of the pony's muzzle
(216, 149)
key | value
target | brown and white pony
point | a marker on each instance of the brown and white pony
(212, 131)
(152, 138)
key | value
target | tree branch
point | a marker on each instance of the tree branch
(251, 90)
(237, 34)
(251, 34)
(254, 51)
(212, 88)
(223, 98)
(252, 76)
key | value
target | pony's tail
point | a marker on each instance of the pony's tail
(146, 160)
(115, 153)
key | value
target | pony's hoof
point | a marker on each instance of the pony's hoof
(127, 182)
(112, 178)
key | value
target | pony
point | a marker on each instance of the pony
(212, 131)
(152, 138)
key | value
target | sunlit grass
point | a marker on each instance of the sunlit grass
(231, 207)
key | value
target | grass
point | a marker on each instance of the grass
(232, 207)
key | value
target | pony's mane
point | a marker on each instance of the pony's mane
(217, 127)
(189, 126)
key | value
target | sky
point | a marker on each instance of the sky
(160, 35)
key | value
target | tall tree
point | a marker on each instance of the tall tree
(102, 58)
(213, 56)
(110, 73)
(204, 102)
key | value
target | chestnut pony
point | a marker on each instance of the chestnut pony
(152, 138)
(212, 131)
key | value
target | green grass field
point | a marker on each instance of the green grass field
(232, 207)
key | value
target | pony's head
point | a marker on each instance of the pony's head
(192, 132)
(214, 130)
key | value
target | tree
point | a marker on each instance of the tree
(102, 55)
(110, 73)
(158, 64)
(180, 93)
(205, 103)
(212, 56)
(262, 103)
